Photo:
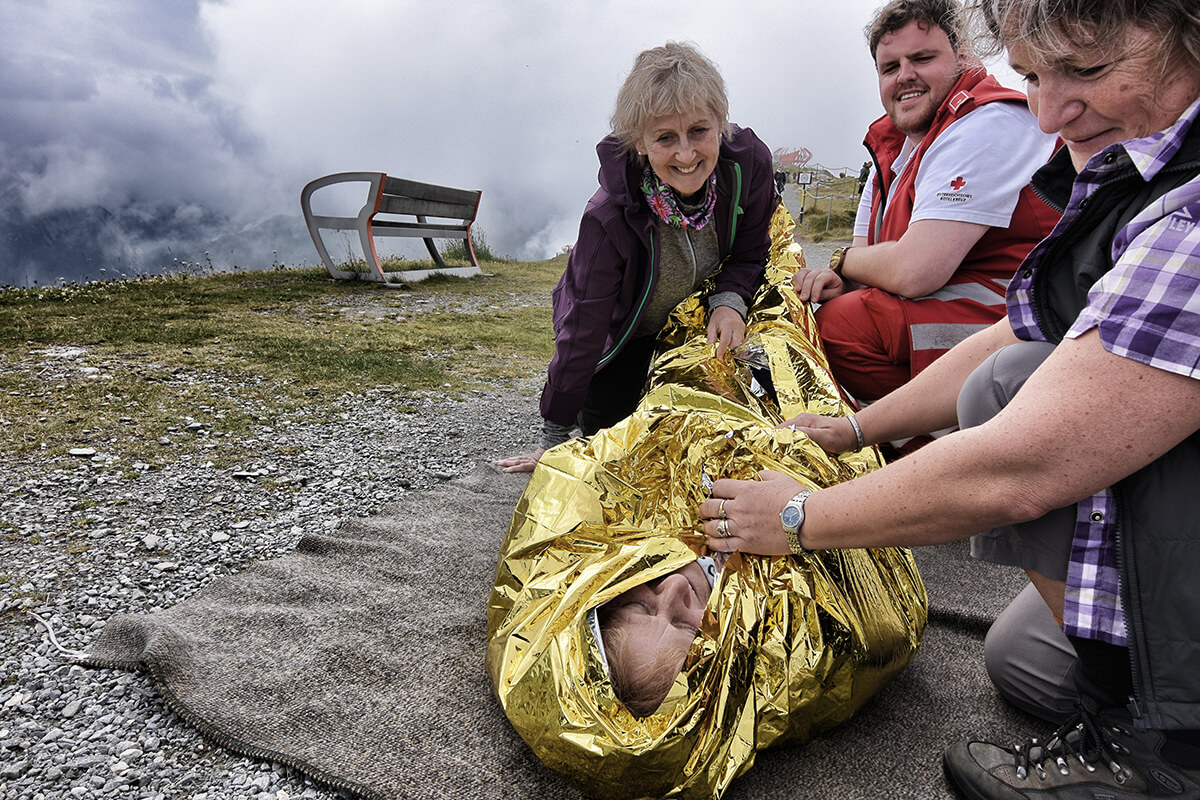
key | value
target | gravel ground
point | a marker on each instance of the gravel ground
(91, 536)
(85, 537)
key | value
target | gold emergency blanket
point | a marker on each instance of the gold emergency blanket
(788, 646)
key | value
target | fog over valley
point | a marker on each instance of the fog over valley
(140, 136)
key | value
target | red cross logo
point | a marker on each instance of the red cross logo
(958, 183)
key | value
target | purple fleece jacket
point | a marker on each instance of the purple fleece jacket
(613, 268)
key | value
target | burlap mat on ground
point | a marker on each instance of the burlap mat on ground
(358, 658)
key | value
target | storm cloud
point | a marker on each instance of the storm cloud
(137, 132)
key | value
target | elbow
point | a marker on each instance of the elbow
(919, 282)
(915, 274)
(1028, 503)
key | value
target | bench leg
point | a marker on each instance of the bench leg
(368, 246)
(433, 252)
(471, 249)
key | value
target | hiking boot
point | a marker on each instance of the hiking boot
(1093, 756)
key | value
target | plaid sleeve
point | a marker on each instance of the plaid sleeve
(1147, 307)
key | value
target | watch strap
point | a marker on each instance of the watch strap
(793, 534)
(838, 260)
(793, 540)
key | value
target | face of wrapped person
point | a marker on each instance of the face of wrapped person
(1094, 99)
(664, 614)
(917, 68)
(683, 149)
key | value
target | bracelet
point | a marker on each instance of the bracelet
(857, 431)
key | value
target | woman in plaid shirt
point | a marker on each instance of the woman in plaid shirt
(1080, 451)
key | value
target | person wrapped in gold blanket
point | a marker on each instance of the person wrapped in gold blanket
(627, 661)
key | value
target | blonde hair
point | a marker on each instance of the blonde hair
(641, 683)
(672, 79)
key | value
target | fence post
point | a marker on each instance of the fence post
(830, 214)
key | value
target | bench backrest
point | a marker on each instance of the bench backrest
(400, 196)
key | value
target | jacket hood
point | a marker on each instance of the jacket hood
(616, 171)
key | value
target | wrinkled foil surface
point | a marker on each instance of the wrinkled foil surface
(788, 647)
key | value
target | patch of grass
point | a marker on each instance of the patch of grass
(821, 221)
(135, 403)
(457, 251)
(174, 349)
(453, 252)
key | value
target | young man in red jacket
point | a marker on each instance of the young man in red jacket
(947, 215)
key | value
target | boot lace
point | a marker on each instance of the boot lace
(1083, 738)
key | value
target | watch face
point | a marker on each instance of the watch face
(790, 517)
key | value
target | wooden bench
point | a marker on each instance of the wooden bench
(454, 210)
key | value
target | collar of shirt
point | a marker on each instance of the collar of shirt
(1147, 155)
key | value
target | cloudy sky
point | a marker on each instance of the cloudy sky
(232, 106)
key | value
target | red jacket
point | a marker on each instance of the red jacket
(994, 259)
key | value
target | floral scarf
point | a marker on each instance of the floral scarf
(665, 203)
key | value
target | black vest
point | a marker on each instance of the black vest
(1158, 525)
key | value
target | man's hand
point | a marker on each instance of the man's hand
(521, 463)
(727, 328)
(818, 285)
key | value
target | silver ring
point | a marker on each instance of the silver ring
(722, 528)
(721, 508)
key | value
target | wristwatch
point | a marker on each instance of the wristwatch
(838, 260)
(792, 518)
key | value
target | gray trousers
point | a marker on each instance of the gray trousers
(1028, 657)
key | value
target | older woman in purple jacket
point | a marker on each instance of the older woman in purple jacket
(683, 194)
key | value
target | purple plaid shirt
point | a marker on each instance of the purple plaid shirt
(1146, 308)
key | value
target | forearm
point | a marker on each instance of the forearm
(731, 300)
(1058, 440)
(1063, 437)
(919, 262)
(554, 434)
(933, 496)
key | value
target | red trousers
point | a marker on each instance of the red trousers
(869, 334)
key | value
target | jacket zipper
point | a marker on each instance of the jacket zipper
(876, 222)
(1135, 673)
(735, 212)
(692, 248)
(735, 206)
(633, 319)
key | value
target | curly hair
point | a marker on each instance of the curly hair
(944, 14)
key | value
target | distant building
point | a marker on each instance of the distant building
(792, 159)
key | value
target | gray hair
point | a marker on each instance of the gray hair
(944, 14)
(1059, 29)
(672, 79)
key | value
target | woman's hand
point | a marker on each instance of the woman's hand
(818, 285)
(522, 463)
(727, 328)
(833, 434)
(749, 512)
